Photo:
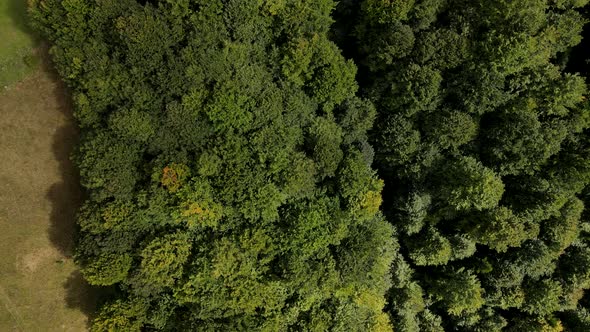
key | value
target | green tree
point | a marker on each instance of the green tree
(227, 165)
(481, 140)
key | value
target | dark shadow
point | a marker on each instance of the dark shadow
(16, 10)
(65, 204)
(67, 196)
(80, 295)
(578, 57)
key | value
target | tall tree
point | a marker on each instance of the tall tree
(227, 166)
(481, 138)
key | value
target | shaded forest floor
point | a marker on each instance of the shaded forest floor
(40, 288)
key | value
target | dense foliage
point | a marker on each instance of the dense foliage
(227, 166)
(482, 142)
(227, 161)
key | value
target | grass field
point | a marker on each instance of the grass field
(40, 288)
(17, 43)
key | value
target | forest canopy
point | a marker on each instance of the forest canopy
(226, 161)
(482, 140)
(302, 165)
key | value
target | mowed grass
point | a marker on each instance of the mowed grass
(40, 288)
(17, 43)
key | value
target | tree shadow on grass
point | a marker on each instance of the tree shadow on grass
(80, 295)
(22, 42)
(84, 297)
(67, 196)
(16, 10)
